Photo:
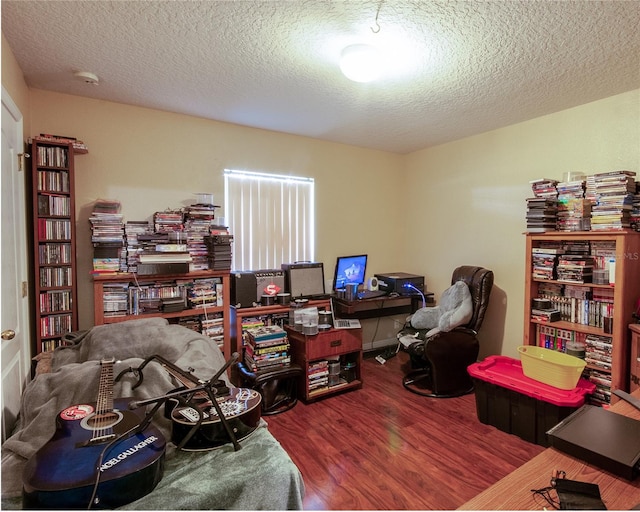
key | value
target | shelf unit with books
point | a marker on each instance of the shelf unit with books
(596, 312)
(277, 314)
(198, 300)
(316, 354)
(54, 249)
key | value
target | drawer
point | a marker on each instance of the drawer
(333, 342)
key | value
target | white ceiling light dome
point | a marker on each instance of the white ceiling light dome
(361, 62)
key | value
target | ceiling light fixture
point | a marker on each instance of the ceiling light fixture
(360, 62)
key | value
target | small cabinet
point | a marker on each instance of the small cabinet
(331, 361)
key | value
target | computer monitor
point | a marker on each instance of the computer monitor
(349, 269)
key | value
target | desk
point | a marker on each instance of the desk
(378, 306)
(513, 492)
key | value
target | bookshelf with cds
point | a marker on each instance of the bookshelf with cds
(54, 237)
(197, 300)
(592, 280)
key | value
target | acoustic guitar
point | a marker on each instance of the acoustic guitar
(102, 455)
(197, 426)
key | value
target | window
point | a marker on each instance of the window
(271, 218)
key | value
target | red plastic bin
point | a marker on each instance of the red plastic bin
(514, 403)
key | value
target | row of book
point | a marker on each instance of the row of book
(607, 201)
(580, 311)
(54, 229)
(52, 156)
(575, 263)
(53, 205)
(54, 253)
(55, 277)
(53, 301)
(53, 181)
(121, 299)
(55, 325)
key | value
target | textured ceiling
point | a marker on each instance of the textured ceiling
(456, 68)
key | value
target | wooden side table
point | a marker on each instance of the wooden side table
(344, 345)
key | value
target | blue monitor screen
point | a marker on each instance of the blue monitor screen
(350, 269)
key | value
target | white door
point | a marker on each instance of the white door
(14, 322)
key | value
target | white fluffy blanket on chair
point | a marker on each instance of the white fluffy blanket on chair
(455, 309)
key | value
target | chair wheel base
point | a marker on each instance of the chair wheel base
(419, 382)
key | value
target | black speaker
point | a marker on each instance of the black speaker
(243, 289)
(248, 287)
(304, 280)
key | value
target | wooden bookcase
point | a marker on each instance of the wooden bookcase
(626, 291)
(129, 281)
(54, 243)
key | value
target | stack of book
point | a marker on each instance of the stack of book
(219, 251)
(212, 326)
(544, 260)
(267, 347)
(205, 293)
(602, 393)
(172, 304)
(543, 206)
(574, 211)
(107, 236)
(318, 375)
(634, 215)
(598, 351)
(198, 219)
(134, 229)
(613, 199)
(575, 268)
(168, 221)
(115, 299)
(545, 315)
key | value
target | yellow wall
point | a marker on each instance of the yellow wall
(467, 199)
(152, 160)
(424, 213)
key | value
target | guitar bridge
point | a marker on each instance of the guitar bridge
(96, 440)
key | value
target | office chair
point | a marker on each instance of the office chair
(439, 362)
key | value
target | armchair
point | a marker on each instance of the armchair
(440, 354)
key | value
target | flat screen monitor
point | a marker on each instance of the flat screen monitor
(350, 269)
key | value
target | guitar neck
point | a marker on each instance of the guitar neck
(104, 402)
(185, 378)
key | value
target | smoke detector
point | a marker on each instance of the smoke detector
(87, 77)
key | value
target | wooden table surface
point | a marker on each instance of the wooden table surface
(513, 492)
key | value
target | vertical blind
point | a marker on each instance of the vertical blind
(271, 218)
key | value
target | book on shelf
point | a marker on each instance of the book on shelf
(265, 333)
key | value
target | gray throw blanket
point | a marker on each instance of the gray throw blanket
(259, 476)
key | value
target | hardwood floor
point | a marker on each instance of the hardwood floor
(384, 448)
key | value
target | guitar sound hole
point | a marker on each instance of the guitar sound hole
(102, 421)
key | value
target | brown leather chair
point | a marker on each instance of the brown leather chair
(439, 363)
